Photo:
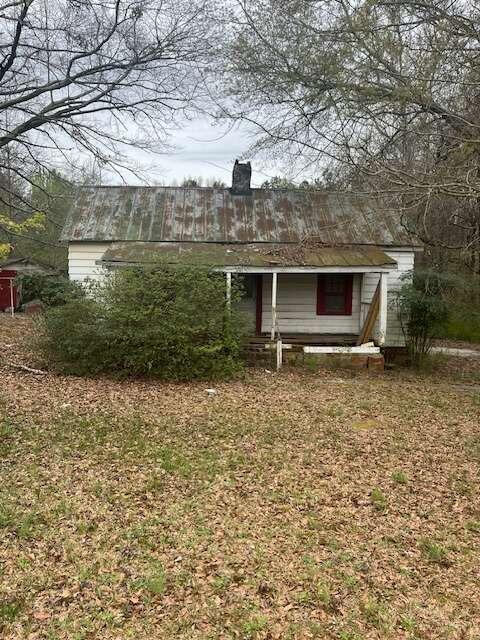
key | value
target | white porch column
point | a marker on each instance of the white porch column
(382, 309)
(229, 289)
(362, 314)
(274, 305)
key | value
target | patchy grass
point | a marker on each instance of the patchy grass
(379, 500)
(323, 504)
(8, 612)
(376, 614)
(400, 477)
(435, 552)
(155, 582)
(253, 627)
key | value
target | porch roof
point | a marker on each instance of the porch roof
(250, 257)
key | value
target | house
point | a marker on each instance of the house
(320, 268)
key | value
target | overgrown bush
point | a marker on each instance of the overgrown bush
(423, 310)
(168, 322)
(51, 290)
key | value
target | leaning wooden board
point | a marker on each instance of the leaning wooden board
(372, 315)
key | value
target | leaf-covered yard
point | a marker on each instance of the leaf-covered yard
(303, 505)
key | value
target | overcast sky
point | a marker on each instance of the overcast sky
(201, 150)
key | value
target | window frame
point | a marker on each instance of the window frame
(322, 293)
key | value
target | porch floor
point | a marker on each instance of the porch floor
(313, 339)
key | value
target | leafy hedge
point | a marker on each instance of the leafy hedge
(51, 290)
(168, 322)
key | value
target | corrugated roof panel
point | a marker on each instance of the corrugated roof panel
(157, 215)
(173, 214)
(244, 222)
(189, 205)
(197, 217)
(177, 214)
(145, 208)
(283, 207)
(212, 226)
(229, 216)
(319, 224)
(168, 226)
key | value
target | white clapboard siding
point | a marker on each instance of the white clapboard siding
(82, 258)
(405, 260)
(297, 306)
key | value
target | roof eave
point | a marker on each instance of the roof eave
(386, 268)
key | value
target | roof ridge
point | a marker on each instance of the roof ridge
(265, 190)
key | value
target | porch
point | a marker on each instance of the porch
(341, 311)
(310, 339)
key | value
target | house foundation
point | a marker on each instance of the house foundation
(367, 356)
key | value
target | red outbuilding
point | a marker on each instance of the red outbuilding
(8, 289)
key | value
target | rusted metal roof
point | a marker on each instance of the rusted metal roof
(203, 214)
(251, 255)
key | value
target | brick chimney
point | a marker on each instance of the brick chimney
(242, 174)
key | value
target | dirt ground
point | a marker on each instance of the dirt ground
(308, 504)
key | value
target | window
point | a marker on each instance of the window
(334, 294)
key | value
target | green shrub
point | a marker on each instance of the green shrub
(51, 290)
(72, 337)
(423, 310)
(168, 322)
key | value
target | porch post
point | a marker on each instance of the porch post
(229, 289)
(274, 306)
(361, 315)
(382, 309)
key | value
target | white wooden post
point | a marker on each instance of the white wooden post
(361, 315)
(12, 310)
(382, 309)
(274, 306)
(229, 289)
(279, 354)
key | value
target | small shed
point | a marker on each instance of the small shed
(8, 289)
(10, 293)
